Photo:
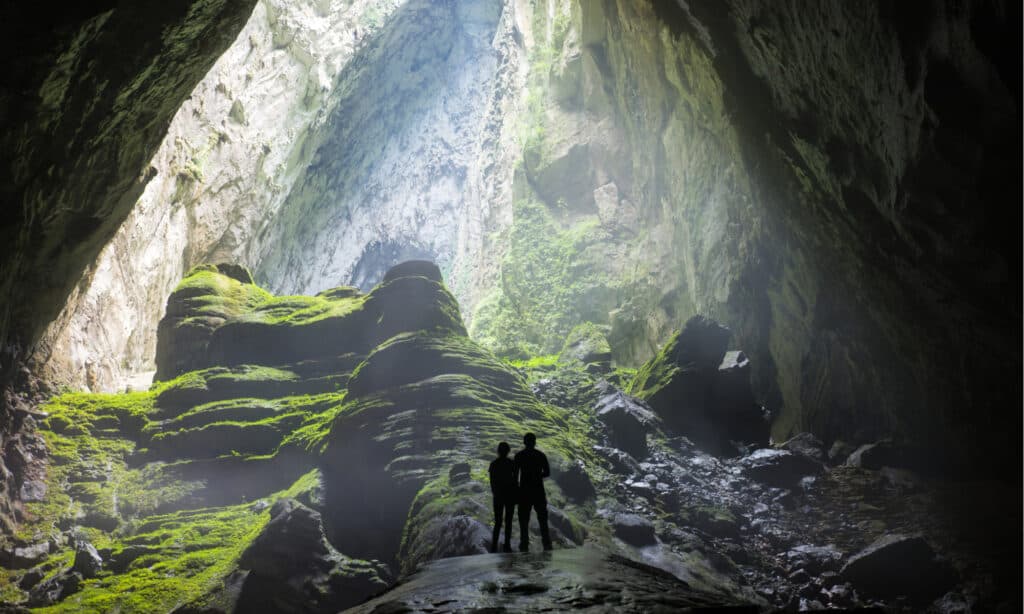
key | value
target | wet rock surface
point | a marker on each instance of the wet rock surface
(697, 389)
(580, 579)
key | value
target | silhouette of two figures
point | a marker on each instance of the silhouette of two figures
(519, 482)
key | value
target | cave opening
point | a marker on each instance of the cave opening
(280, 275)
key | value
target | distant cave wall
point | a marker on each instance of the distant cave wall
(405, 156)
(228, 160)
(88, 97)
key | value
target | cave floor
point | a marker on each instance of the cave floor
(577, 579)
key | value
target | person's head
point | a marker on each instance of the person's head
(530, 440)
(504, 449)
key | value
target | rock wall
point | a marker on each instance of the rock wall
(825, 179)
(411, 159)
(90, 95)
(229, 159)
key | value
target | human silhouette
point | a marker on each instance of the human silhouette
(503, 487)
(531, 468)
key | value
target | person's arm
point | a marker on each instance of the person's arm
(545, 470)
(515, 470)
(490, 472)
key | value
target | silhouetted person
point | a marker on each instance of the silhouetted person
(503, 487)
(531, 469)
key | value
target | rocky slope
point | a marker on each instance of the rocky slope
(302, 453)
(777, 167)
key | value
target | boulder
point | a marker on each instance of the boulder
(58, 587)
(839, 452)
(586, 344)
(702, 391)
(22, 557)
(627, 421)
(32, 490)
(806, 444)
(575, 483)
(884, 453)
(292, 567)
(560, 522)
(779, 468)
(455, 535)
(87, 560)
(458, 474)
(899, 565)
(633, 529)
(814, 559)
(620, 462)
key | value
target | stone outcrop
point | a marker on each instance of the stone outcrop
(698, 392)
(292, 568)
(899, 565)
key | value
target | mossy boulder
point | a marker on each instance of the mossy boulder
(697, 393)
(218, 317)
(293, 568)
(206, 298)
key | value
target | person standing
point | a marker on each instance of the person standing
(531, 467)
(503, 488)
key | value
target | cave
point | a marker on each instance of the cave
(279, 276)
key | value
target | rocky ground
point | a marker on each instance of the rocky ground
(303, 454)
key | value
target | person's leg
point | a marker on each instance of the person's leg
(524, 526)
(499, 507)
(510, 508)
(542, 520)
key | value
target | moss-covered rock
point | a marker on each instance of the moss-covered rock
(698, 395)
(214, 319)
(587, 344)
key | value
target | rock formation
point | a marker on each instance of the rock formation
(302, 453)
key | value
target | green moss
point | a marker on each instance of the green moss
(536, 362)
(658, 372)
(551, 280)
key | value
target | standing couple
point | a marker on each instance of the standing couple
(520, 480)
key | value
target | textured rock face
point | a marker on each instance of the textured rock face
(700, 395)
(88, 105)
(227, 161)
(88, 95)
